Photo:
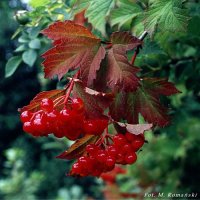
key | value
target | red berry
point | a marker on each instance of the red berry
(130, 137)
(101, 157)
(38, 127)
(65, 114)
(120, 158)
(95, 126)
(126, 148)
(112, 151)
(26, 116)
(77, 104)
(46, 105)
(89, 127)
(110, 162)
(119, 140)
(138, 142)
(131, 158)
(27, 127)
(90, 148)
(82, 160)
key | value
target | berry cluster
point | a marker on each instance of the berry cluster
(101, 159)
(69, 122)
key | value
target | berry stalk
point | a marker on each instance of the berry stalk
(71, 87)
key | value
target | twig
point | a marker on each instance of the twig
(144, 34)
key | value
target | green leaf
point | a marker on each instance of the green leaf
(97, 13)
(38, 3)
(12, 65)
(80, 5)
(35, 44)
(167, 15)
(29, 57)
(34, 32)
(21, 48)
(126, 11)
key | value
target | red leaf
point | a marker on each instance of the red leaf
(67, 29)
(34, 105)
(136, 128)
(95, 102)
(125, 40)
(144, 101)
(120, 73)
(78, 148)
(75, 46)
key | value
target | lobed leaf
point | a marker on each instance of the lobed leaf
(78, 148)
(97, 13)
(125, 12)
(120, 73)
(75, 47)
(67, 29)
(34, 105)
(144, 101)
(168, 15)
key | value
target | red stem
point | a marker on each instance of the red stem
(108, 46)
(71, 87)
(133, 58)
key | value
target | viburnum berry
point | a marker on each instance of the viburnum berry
(95, 126)
(27, 127)
(26, 116)
(103, 158)
(77, 104)
(68, 122)
(131, 158)
(46, 105)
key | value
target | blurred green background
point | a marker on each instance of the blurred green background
(28, 168)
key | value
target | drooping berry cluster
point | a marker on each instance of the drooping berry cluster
(100, 159)
(69, 122)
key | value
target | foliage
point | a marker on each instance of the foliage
(169, 54)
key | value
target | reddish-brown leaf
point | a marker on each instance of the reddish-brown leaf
(78, 148)
(67, 29)
(75, 47)
(95, 102)
(125, 40)
(145, 101)
(34, 105)
(120, 73)
(135, 128)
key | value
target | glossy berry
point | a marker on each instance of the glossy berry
(26, 116)
(110, 161)
(95, 126)
(119, 140)
(102, 158)
(27, 127)
(137, 144)
(127, 148)
(46, 105)
(65, 114)
(130, 136)
(131, 158)
(77, 104)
